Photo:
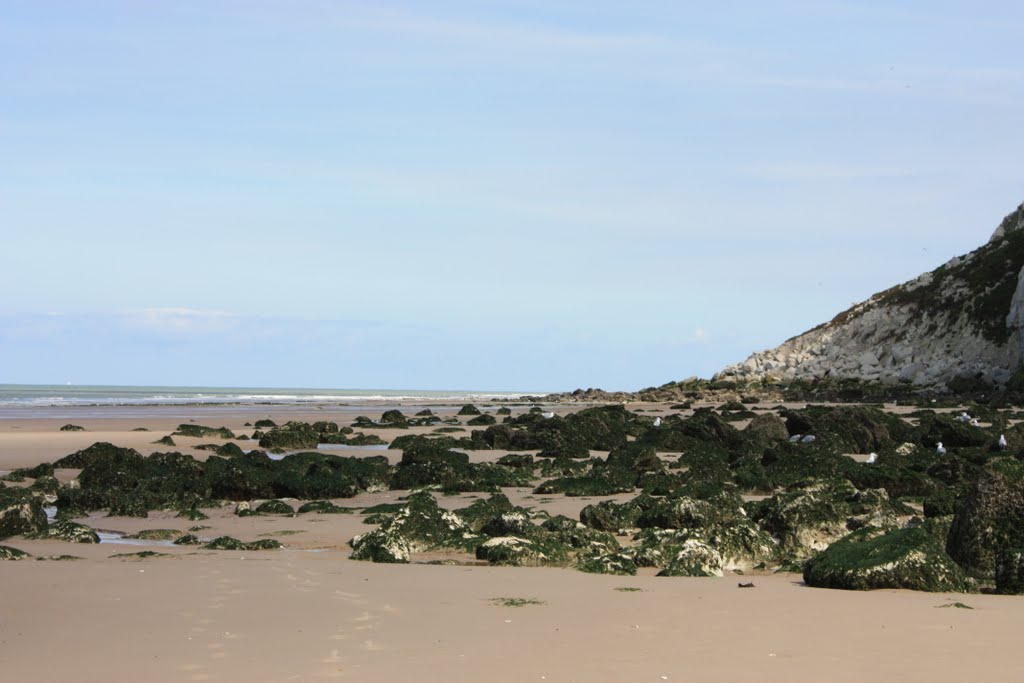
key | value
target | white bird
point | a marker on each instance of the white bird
(1002, 442)
(547, 416)
(808, 439)
(657, 422)
(795, 438)
(962, 417)
(871, 459)
(940, 449)
(974, 422)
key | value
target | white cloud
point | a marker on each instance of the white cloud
(183, 321)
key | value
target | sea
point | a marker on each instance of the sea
(57, 395)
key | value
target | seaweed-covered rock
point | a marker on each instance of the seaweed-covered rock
(737, 545)
(873, 558)
(46, 484)
(44, 469)
(128, 505)
(431, 463)
(514, 522)
(618, 563)
(66, 530)
(156, 534)
(468, 409)
(990, 518)
(292, 436)
(767, 427)
(689, 512)
(951, 432)
(516, 461)
(603, 481)
(611, 516)
(97, 452)
(578, 536)
(482, 420)
(323, 507)
(419, 526)
(635, 456)
(188, 539)
(9, 553)
(522, 552)
(21, 517)
(274, 507)
(481, 512)
(200, 431)
(1010, 572)
(807, 521)
(229, 543)
(696, 557)
(165, 441)
(72, 428)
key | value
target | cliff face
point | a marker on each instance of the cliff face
(964, 319)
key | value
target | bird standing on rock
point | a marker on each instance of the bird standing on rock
(940, 449)
(871, 459)
(1002, 442)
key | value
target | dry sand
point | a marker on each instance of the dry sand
(308, 612)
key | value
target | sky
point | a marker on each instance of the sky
(488, 195)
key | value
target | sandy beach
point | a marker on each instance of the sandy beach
(308, 612)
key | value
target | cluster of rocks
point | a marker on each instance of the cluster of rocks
(708, 497)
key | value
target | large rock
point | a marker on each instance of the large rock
(66, 530)
(807, 521)
(419, 526)
(9, 553)
(514, 551)
(97, 452)
(734, 546)
(21, 517)
(990, 518)
(1010, 572)
(873, 558)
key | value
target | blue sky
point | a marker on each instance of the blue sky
(481, 195)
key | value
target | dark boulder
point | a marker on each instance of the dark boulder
(1010, 572)
(872, 558)
(200, 431)
(94, 453)
(990, 518)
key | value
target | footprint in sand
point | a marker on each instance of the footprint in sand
(354, 598)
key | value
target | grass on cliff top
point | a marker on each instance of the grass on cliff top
(989, 274)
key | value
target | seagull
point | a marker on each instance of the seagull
(974, 422)
(962, 417)
(657, 422)
(547, 416)
(808, 439)
(871, 459)
(1002, 442)
(940, 449)
(795, 438)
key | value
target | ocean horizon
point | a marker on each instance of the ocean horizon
(98, 394)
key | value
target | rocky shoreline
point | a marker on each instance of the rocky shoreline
(686, 492)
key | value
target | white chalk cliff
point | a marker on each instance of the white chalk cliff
(964, 319)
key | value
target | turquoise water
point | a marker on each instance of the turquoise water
(72, 395)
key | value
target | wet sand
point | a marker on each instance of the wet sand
(308, 612)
